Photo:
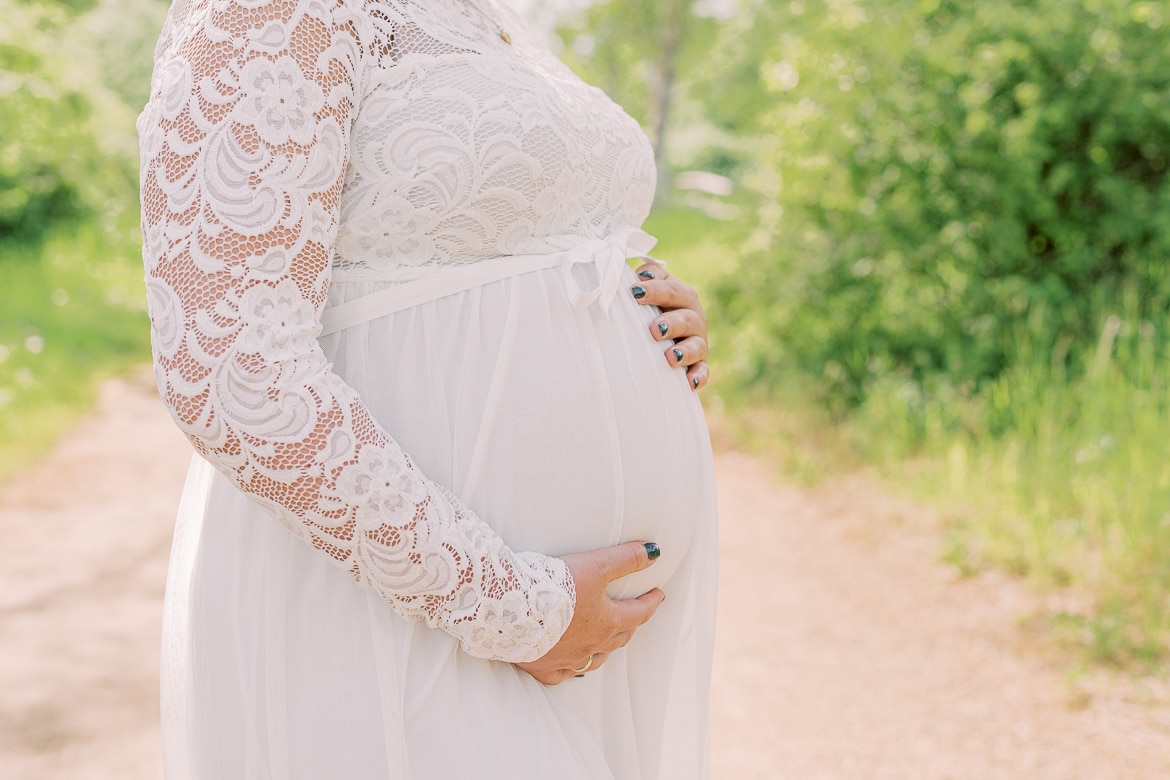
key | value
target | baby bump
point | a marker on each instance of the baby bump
(564, 428)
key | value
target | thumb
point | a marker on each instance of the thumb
(634, 612)
(628, 558)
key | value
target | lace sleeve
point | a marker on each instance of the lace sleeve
(244, 145)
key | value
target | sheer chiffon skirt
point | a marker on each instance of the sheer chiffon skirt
(563, 428)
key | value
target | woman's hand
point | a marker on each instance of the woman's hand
(600, 624)
(682, 319)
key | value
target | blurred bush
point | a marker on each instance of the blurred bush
(940, 177)
(960, 246)
(72, 79)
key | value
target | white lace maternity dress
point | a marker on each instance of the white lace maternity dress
(386, 271)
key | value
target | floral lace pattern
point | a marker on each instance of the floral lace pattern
(288, 143)
(465, 147)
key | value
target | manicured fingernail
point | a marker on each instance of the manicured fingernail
(652, 550)
(695, 383)
(678, 355)
(646, 274)
(578, 676)
(638, 290)
(662, 328)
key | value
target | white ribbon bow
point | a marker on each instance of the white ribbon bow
(609, 256)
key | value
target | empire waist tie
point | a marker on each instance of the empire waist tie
(608, 255)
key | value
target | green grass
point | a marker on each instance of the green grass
(1063, 479)
(71, 314)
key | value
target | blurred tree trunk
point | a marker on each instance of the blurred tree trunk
(642, 52)
(678, 15)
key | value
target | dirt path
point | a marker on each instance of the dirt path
(845, 650)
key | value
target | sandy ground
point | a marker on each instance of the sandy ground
(845, 648)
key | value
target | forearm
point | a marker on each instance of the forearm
(243, 153)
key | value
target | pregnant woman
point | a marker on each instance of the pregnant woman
(439, 449)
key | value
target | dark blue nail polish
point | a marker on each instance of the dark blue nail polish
(652, 550)
(638, 290)
(695, 383)
(578, 676)
(646, 274)
(678, 355)
(662, 328)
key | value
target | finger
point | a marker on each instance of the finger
(546, 676)
(584, 666)
(631, 613)
(667, 294)
(623, 559)
(649, 271)
(598, 659)
(595, 660)
(687, 352)
(698, 374)
(678, 324)
(619, 641)
(556, 678)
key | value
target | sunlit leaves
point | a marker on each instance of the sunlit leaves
(981, 163)
(68, 90)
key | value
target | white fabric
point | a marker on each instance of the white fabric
(608, 256)
(299, 157)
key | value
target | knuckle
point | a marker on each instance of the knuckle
(695, 319)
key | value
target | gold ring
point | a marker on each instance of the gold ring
(584, 668)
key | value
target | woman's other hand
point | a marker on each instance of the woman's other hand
(600, 624)
(682, 320)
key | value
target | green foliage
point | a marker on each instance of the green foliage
(644, 54)
(942, 174)
(961, 245)
(72, 78)
(70, 86)
(35, 187)
(623, 47)
(130, 29)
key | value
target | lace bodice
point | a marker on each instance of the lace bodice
(290, 145)
(464, 147)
